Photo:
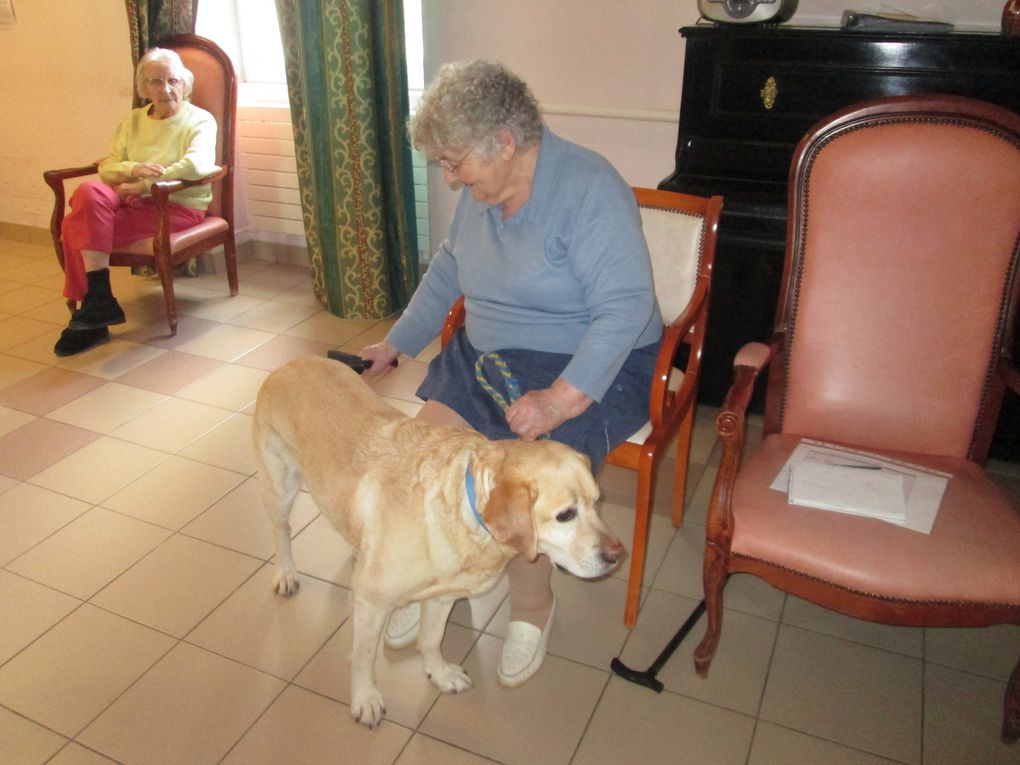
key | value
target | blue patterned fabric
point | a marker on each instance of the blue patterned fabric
(623, 410)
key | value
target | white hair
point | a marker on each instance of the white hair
(171, 59)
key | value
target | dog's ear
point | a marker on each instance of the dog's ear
(505, 498)
(508, 516)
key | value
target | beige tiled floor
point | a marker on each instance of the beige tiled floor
(138, 623)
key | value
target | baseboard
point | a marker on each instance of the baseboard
(19, 232)
(275, 252)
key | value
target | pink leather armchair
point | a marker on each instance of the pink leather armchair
(893, 335)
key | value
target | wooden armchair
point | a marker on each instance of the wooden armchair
(893, 335)
(215, 91)
(681, 233)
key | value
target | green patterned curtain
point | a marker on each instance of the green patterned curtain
(347, 80)
(152, 20)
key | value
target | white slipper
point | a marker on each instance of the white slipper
(523, 650)
(402, 627)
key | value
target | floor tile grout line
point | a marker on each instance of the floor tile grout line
(591, 717)
(67, 616)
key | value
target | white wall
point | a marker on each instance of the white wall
(618, 59)
(65, 81)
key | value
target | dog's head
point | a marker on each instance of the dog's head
(540, 497)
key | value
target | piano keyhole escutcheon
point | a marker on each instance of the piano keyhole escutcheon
(768, 93)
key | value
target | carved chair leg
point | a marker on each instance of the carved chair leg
(230, 258)
(166, 278)
(1011, 708)
(715, 580)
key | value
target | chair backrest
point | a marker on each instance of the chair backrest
(215, 91)
(680, 231)
(900, 287)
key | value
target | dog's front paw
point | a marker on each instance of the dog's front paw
(367, 707)
(286, 582)
(449, 678)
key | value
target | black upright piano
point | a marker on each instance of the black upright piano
(749, 94)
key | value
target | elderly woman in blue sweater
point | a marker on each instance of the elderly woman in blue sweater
(546, 247)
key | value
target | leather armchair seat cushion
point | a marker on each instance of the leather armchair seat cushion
(182, 239)
(972, 553)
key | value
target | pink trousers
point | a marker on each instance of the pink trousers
(100, 220)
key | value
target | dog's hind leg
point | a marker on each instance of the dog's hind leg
(367, 705)
(449, 678)
(280, 481)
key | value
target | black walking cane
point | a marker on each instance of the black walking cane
(647, 678)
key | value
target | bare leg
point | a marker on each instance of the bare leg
(531, 595)
(95, 260)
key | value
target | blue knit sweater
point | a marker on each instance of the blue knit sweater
(567, 273)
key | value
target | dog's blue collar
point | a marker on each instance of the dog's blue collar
(469, 487)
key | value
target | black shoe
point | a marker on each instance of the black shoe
(74, 341)
(99, 308)
(97, 313)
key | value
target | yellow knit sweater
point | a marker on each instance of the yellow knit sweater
(185, 145)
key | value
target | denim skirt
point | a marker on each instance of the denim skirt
(452, 380)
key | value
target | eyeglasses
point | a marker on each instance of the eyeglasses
(159, 82)
(453, 167)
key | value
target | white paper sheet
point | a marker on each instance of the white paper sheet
(829, 477)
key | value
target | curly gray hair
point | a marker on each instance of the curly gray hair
(171, 59)
(468, 104)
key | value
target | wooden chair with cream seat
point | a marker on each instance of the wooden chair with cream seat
(681, 231)
(215, 91)
(893, 335)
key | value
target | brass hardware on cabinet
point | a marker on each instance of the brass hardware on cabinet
(769, 92)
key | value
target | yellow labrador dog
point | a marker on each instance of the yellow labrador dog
(434, 513)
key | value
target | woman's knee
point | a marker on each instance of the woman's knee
(92, 195)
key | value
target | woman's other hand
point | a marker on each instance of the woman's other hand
(381, 355)
(540, 411)
(130, 190)
(147, 170)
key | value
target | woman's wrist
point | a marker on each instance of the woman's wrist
(570, 401)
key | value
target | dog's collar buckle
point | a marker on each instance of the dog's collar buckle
(469, 487)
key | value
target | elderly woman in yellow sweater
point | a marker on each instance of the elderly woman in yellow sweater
(167, 138)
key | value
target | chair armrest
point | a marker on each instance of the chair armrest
(665, 405)
(55, 178)
(454, 321)
(161, 190)
(747, 365)
(730, 422)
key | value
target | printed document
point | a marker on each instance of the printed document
(843, 480)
